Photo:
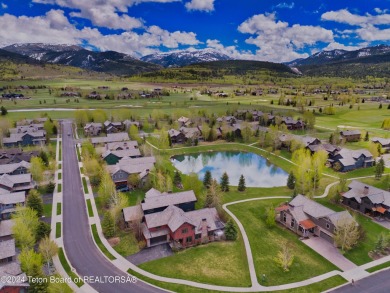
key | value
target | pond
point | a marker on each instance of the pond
(257, 170)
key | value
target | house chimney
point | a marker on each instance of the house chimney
(365, 191)
(125, 145)
(204, 229)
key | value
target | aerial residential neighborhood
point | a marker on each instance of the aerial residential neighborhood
(194, 146)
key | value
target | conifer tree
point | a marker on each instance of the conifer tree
(291, 180)
(35, 202)
(207, 179)
(241, 183)
(230, 231)
(224, 182)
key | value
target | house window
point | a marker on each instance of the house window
(292, 223)
(284, 217)
(327, 226)
(184, 231)
(198, 236)
(189, 239)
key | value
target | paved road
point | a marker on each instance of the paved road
(79, 246)
(378, 283)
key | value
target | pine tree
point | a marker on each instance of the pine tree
(43, 231)
(177, 179)
(379, 168)
(367, 137)
(35, 202)
(207, 179)
(3, 111)
(291, 180)
(224, 182)
(108, 225)
(380, 106)
(230, 230)
(241, 183)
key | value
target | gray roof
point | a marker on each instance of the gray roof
(349, 157)
(382, 141)
(175, 217)
(123, 153)
(13, 198)
(12, 269)
(9, 168)
(166, 199)
(133, 166)
(11, 180)
(173, 132)
(301, 204)
(17, 137)
(6, 228)
(111, 137)
(350, 132)
(7, 248)
(358, 190)
(94, 125)
(133, 213)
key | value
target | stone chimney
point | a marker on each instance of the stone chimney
(204, 229)
(365, 190)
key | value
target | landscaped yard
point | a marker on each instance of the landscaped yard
(47, 209)
(265, 244)
(128, 244)
(218, 263)
(359, 254)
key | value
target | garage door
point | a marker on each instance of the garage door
(325, 236)
(158, 240)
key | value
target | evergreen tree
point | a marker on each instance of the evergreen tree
(207, 179)
(35, 202)
(380, 106)
(291, 180)
(230, 230)
(3, 111)
(44, 157)
(241, 183)
(224, 182)
(379, 168)
(367, 137)
(177, 179)
(43, 231)
(270, 216)
(108, 225)
(169, 140)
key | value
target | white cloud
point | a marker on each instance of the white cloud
(109, 14)
(201, 5)
(4, 6)
(54, 27)
(380, 11)
(368, 30)
(285, 5)
(279, 42)
(339, 46)
(344, 16)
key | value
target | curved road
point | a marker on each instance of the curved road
(80, 249)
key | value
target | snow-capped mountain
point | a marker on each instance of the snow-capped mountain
(183, 58)
(109, 61)
(325, 57)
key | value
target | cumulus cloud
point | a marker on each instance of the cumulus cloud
(368, 24)
(201, 5)
(339, 46)
(54, 27)
(4, 6)
(380, 11)
(109, 14)
(278, 41)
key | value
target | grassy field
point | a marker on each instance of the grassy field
(316, 287)
(218, 263)
(127, 245)
(359, 254)
(265, 244)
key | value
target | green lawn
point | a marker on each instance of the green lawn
(89, 206)
(100, 244)
(266, 243)
(316, 287)
(85, 185)
(81, 170)
(59, 166)
(128, 245)
(78, 154)
(135, 196)
(58, 209)
(218, 263)
(60, 152)
(68, 269)
(59, 176)
(58, 229)
(359, 254)
(234, 195)
(47, 209)
(379, 267)
(59, 187)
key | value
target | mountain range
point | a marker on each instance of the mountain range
(366, 61)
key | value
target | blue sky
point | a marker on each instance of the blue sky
(248, 29)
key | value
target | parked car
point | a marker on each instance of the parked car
(122, 188)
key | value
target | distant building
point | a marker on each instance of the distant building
(111, 137)
(351, 159)
(93, 129)
(8, 203)
(350, 135)
(384, 142)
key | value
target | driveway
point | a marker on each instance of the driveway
(150, 253)
(329, 252)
